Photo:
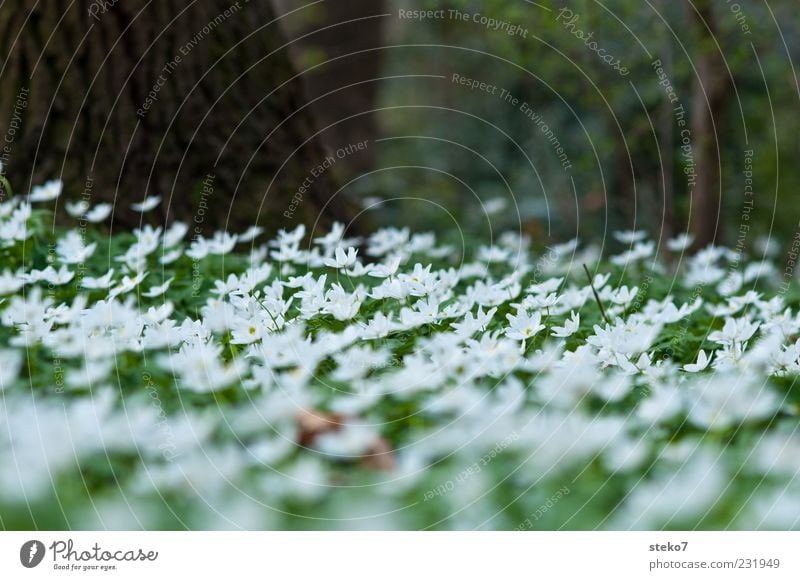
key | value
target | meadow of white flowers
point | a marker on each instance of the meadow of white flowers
(162, 379)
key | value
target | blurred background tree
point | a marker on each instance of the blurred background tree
(667, 157)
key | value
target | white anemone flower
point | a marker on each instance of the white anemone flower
(47, 192)
(148, 204)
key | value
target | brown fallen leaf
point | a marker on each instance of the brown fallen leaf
(380, 456)
(313, 423)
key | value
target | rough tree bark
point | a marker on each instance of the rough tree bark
(134, 97)
(709, 101)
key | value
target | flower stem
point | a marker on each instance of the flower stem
(596, 295)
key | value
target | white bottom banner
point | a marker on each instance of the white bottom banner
(370, 555)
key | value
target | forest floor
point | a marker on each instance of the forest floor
(159, 379)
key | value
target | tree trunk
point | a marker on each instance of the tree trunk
(340, 42)
(709, 100)
(197, 103)
(666, 139)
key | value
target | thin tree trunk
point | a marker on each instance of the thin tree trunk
(709, 101)
(666, 122)
(340, 42)
(194, 101)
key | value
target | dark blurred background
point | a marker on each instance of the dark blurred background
(607, 80)
(559, 119)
